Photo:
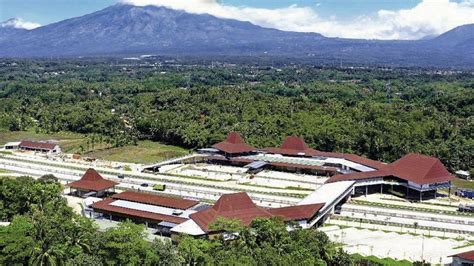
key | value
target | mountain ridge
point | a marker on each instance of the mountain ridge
(126, 29)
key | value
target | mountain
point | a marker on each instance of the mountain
(130, 30)
(9, 29)
(456, 38)
(125, 29)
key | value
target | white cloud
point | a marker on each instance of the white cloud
(430, 17)
(19, 23)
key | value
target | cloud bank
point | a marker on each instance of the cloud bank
(428, 18)
(19, 23)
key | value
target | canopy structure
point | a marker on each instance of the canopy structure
(92, 181)
(416, 168)
(234, 144)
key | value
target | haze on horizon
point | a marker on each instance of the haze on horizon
(365, 19)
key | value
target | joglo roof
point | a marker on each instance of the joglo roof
(416, 168)
(239, 206)
(92, 181)
(234, 144)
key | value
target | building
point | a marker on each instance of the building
(92, 184)
(463, 259)
(159, 212)
(240, 207)
(294, 155)
(39, 146)
(233, 146)
(413, 175)
(12, 145)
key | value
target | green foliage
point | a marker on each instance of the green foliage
(125, 245)
(344, 110)
(22, 195)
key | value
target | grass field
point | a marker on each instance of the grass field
(144, 152)
(461, 183)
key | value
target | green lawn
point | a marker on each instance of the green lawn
(145, 152)
(461, 183)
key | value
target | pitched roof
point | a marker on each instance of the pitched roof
(298, 212)
(296, 146)
(240, 206)
(469, 255)
(169, 202)
(231, 206)
(417, 168)
(37, 145)
(420, 169)
(233, 144)
(92, 181)
(104, 206)
(357, 176)
(293, 145)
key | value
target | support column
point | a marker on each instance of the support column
(421, 196)
(381, 188)
(366, 190)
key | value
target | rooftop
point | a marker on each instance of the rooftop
(169, 202)
(92, 181)
(416, 168)
(469, 255)
(233, 144)
(37, 145)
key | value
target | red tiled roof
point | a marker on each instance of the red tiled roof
(169, 202)
(298, 212)
(420, 169)
(231, 206)
(37, 145)
(233, 144)
(469, 255)
(357, 176)
(294, 146)
(417, 168)
(240, 206)
(92, 181)
(104, 206)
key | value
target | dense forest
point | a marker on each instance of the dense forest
(381, 113)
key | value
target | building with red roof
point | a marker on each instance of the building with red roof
(234, 145)
(156, 211)
(293, 146)
(239, 206)
(92, 181)
(39, 146)
(413, 171)
(463, 259)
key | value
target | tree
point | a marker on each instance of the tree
(126, 244)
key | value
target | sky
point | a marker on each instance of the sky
(368, 19)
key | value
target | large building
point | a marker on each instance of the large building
(463, 259)
(415, 176)
(240, 207)
(155, 211)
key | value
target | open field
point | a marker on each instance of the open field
(144, 152)
(461, 183)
